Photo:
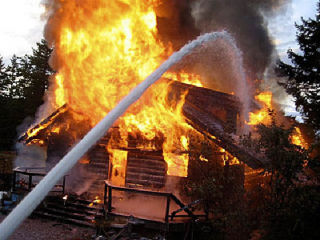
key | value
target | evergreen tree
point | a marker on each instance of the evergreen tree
(13, 85)
(22, 86)
(291, 203)
(34, 71)
(284, 203)
(3, 75)
(303, 75)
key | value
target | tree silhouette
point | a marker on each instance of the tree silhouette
(3, 74)
(303, 75)
(22, 86)
(34, 71)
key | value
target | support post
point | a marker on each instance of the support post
(180, 204)
(30, 182)
(105, 195)
(167, 209)
(63, 185)
(14, 176)
(109, 199)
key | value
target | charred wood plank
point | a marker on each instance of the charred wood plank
(49, 120)
(203, 96)
(205, 124)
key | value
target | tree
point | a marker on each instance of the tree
(34, 71)
(303, 75)
(13, 85)
(3, 74)
(22, 87)
(291, 202)
(219, 185)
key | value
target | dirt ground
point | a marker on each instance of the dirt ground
(36, 228)
(41, 229)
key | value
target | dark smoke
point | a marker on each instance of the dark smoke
(182, 20)
(176, 23)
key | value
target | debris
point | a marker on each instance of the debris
(100, 238)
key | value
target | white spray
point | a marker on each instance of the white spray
(32, 200)
(242, 86)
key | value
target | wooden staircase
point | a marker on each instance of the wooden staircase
(72, 211)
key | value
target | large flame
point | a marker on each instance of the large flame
(298, 139)
(262, 116)
(102, 49)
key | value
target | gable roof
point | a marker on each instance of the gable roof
(197, 109)
(198, 112)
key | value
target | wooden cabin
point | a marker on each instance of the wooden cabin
(216, 115)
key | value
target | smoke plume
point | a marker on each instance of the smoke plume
(181, 21)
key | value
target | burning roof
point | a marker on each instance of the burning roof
(211, 113)
(64, 122)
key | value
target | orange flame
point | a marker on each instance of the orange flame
(103, 49)
(203, 159)
(35, 130)
(298, 139)
(261, 116)
(118, 160)
(95, 201)
(184, 77)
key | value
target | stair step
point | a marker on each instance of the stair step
(74, 209)
(69, 214)
(76, 203)
(63, 219)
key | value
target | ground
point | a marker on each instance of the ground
(41, 229)
(35, 228)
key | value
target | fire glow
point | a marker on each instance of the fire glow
(104, 49)
(262, 116)
(298, 139)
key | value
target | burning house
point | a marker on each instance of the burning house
(137, 162)
(103, 49)
(140, 161)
